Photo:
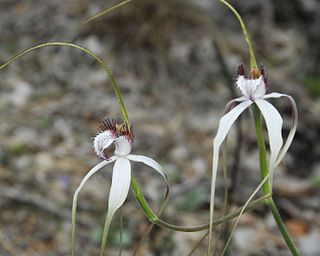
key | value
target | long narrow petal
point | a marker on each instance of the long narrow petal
(274, 125)
(234, 102)
(294, 123)
(121, 178)
(150, 162)
(75, 196)
(153, 164)
(224, 126)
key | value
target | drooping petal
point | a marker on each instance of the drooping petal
(227, 121)
(153, 164)
(150, 162)
(274, 126)
(233, 103)
(224, 126)
(121, 179)
(294, 123)
(75, 197)
(123, 146)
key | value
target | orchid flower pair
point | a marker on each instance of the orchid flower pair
(118, 137)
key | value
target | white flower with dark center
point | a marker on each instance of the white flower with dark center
(113, 144)
(254, 92)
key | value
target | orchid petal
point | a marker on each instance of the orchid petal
(121, 179)
(224, 126)
(260, 90)
(123, 146)
(103, 141)
(153, 164)
(150, 162)
(233, 102)
(75, 197)
(228, 119)
(274, 126)
(294, 123)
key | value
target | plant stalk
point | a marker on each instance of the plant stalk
(154, 218)
(266, 189)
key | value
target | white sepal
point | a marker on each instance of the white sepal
(224, 126)
(121, 179)
(294, 123)
(93, 171)
(274, 126)
(150, 162)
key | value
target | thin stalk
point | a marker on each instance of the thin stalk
(105, 234)
(100, 61)
(153, 217)
(121, 230)
(282, 227)
(266, 188)
(198, 244)
(262, 149)
(100, 14)
(253, 63)
(161, 209)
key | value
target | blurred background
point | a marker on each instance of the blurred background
(174, 62)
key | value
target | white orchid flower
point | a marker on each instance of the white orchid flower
(118, 137)
(254, 92)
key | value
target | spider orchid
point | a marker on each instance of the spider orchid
(254, 92)
(113, 144)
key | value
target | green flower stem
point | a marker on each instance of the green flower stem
(282, 227)
(267, 190)
(262, 149)
(153, 217)
(100, 14)
(253, 63)
(100, 61)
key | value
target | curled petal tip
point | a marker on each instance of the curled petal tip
(103, 141)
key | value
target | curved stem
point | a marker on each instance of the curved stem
(160, 211)
(153, 217)
(100, 61)
(253, 63)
